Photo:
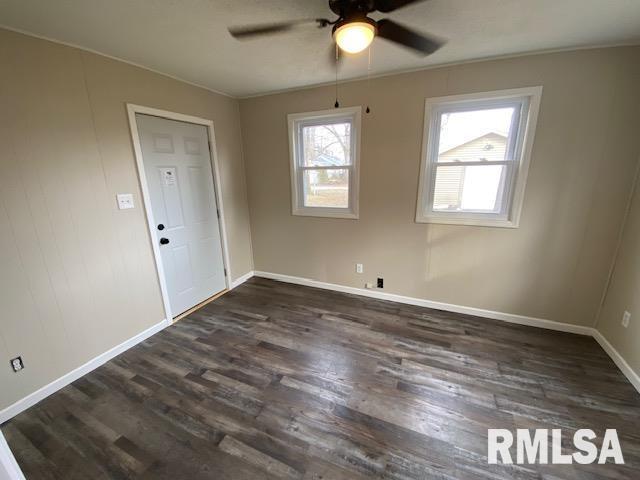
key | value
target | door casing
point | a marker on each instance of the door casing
(132, 109)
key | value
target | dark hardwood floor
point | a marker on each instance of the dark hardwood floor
(281, 381)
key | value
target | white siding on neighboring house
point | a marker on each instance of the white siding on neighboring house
(450, 180)
(489, 147)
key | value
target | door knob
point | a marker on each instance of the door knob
(160, 226)
(164, 241)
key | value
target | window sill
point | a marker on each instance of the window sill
(468, 221)
(325, 213)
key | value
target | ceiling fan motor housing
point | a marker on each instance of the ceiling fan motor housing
(353, 19)
(353, 30)
(344, 8)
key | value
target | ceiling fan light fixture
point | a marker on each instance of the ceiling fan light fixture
(355, 36)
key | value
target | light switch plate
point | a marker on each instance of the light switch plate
(125, 200)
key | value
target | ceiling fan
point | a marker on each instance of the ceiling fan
(353, 30)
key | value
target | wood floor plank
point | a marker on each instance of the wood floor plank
(274, 380)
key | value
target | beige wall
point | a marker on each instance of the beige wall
(78, 275)
(554, 266)
(624, 292)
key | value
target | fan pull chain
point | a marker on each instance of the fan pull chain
(337, 104)
(368, 110)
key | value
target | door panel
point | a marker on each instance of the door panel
(171, 198)
(202, 196)
(182, 269)
(180, 181)
(162, 143)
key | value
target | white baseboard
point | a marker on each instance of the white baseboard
(9, 468)
(240, 280)
(375, 293)
(622, 364)
(66, 379)
(40, 394)
(626, 369)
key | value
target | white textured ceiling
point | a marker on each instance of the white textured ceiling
(188, 39)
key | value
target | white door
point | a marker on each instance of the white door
(177, 166)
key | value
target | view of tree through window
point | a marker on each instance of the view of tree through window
(324, 162)
(326, 148)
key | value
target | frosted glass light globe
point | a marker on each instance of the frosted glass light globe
(354, 37)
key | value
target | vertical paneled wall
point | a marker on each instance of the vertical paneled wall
(624, 291)
(554, 266)
(77, 274)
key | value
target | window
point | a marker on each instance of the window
(476, 157)
(324, 162)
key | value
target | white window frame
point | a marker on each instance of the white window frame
(336, 115)
(520, 143)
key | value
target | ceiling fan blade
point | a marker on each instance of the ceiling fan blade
(386, 6)
(271, 28)
(244, 32)
(397, 33)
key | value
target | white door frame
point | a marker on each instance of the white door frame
(9, 468)
(132, 109)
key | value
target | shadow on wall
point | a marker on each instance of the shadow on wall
(452, 259)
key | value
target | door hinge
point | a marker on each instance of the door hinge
(218, 212)
(225, 272)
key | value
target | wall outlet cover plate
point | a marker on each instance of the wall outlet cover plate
(17, 364)
(625, 319)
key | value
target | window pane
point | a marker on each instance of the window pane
(326, 145)
(468, 188)
(475, 136)
(326, 188)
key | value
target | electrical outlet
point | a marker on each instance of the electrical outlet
(16, 364)
(625, 319)
(380, 283)
(359, 268)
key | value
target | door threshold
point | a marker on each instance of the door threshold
(200, 305)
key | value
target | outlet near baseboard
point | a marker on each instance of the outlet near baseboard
(626, 316)
(17, 364)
